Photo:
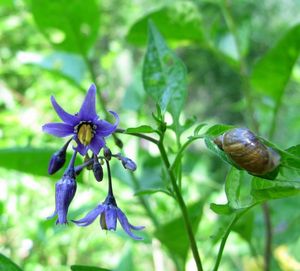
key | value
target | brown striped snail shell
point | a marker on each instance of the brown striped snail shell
(247, 151)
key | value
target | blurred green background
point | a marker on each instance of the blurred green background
(59, 48)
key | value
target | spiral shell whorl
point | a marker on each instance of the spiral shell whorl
(247, 151)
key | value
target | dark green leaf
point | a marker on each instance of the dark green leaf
(7, 265)
(87, 268)
(244, 226)
(272, 72)
(141, 129)
(68, 27)
(291, 157)
(179, 21)
(173, 234)
(164, 75)
(28, 160)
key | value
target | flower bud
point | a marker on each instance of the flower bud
(107, 153)
(128, 163)
(97, 170)
(58, 159)
(65, 190)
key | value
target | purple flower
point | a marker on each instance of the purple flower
(85, 126)
(109, 213)
(65, 190)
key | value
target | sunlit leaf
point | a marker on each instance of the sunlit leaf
(164, 75)
(141, 129)
(68, 27)
(8, 265)
(64, 64)
(179, 21)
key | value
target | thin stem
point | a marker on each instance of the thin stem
(223, 242)
(110, 189)
(149, 138)
(71, 169)
(182, 206)
(269, 237)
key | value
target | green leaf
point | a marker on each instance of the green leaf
(28, 160)
(291, 157)
(218, 129)
(180, 21)
(164, 75)
(8, 265)
(141, 129)
(244, 226)
(174, 236)
(264, 190)
(271, 74)
(232, 187)
(87, 268)
(68, 27)
(221, 209)
(67, 65)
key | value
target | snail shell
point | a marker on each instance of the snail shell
(247, 151)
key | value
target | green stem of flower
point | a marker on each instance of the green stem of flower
(183, 208)
(149, 138)
(110, 189)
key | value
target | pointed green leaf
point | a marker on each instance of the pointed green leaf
(141, 129)
(272, 72)
(8, 265)
(164, 75)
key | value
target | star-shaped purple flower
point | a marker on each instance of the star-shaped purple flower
(109, 213)
(85, 126)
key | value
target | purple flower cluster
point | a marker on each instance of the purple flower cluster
(87, 132)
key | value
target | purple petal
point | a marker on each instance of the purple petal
(96, 144)
(90, 217)
(136, 228)
(111, 218)
(64, 116)
(125, 225)
(88, 108)
(58, 129)
(105, 128)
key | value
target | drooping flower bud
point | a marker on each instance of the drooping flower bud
(58, 159)
(128, 163)
(97, 170)
(65, 190)
(107, 153)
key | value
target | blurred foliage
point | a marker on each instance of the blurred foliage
(213, 61)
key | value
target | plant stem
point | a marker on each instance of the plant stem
(269, 237)
(149, 138)
(183, 208)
